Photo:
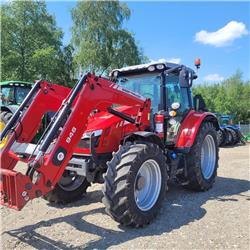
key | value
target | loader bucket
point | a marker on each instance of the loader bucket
(13, 189)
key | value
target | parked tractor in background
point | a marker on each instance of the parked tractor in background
(132, 132)
(12, 94)
(229, 134)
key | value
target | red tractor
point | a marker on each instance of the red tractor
(132, 132)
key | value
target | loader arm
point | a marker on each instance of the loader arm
(46, 167)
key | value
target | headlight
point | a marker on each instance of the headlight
(89, 138)
(115, 74)
(95, 133)
(151, 68)
(160, 66)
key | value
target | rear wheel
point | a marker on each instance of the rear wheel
(220, 137)
(234, 135)
(4, 118)
(135, 183)
(202, 161)
(71, 187)
(229, 137)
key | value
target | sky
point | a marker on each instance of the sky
(216, 32)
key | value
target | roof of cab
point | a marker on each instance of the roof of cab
(13, 82)
(144, 67)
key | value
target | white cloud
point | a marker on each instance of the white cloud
(214, 78)
(162, 60)
(170, 60)
(224, 36)
(174, 60)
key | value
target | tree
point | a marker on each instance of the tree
(231, 97)
(98, 37)
(67, 65)
(30, 43)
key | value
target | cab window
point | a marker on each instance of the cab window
(7, 95)
(147, 85)
(21, 93)
(176, 94)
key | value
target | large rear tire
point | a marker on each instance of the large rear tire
(220, 137)
(4, 118)
(234, 135)
(135, 183)
(229, 137)
(202, 161)
(70, 188)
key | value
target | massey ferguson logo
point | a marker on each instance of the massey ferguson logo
(71, 134)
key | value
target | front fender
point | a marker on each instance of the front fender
(145, 136)
(190, 127)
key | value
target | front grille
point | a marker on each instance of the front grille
(84, 143)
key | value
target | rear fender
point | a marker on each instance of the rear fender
(190, 127)
(9, 109)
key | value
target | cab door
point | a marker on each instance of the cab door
(176, 95)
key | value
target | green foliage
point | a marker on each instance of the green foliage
(100, 42)
(67, 65)
(232, 96)
(31, 43)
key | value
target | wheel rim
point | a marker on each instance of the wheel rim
(147, 185)
(70, 181)
(208, 156)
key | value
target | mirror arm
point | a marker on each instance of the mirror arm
(168, 71)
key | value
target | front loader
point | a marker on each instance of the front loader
(132, 133)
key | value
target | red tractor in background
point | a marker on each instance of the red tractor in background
(132, 132)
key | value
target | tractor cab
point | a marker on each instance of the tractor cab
(168, 86)
(14, 92)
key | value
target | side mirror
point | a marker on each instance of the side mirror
(185, 78)
(199, 103)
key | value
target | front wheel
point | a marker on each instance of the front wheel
(202, 161)
(135, 183)
(71, 187)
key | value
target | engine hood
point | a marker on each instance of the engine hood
(110, 129)
(103, 120)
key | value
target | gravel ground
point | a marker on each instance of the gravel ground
(218, 218)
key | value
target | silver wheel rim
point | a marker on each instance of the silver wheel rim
(147, 185)
(208, 156)
(70, 181)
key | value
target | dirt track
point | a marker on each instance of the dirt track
(218, 218)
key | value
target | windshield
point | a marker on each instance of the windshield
(148, 85)
(145, 85)
(10, 95)
(21, 93)
(7, 95)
